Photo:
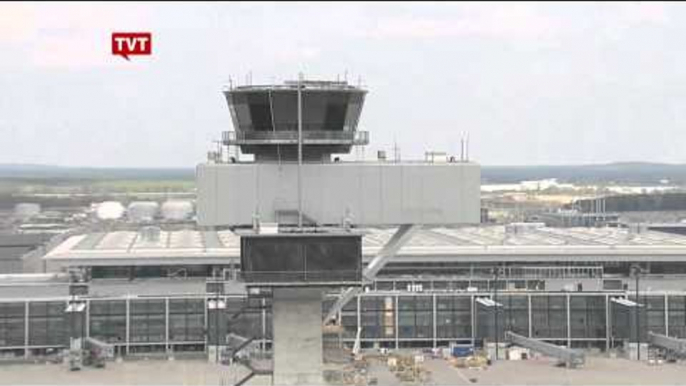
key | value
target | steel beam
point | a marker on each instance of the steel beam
(401, 236)
(342, 300)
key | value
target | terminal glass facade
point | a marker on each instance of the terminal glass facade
(388, 319)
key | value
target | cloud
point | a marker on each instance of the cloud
(17, 22)
(644, 13)
(296, 54)
(628, 16)
(65, 35)
(502, 22)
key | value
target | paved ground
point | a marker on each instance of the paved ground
(150, 372)
(598, 371)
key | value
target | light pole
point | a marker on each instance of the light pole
(495, 309)
(636, 271)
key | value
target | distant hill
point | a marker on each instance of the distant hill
(22, 171)
(620, 172)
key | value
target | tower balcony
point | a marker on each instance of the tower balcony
(309, 137)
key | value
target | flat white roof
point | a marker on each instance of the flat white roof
(474, 243)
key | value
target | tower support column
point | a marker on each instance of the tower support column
(297, 318)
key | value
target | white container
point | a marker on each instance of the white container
(110, 210)
(177, 210)
(143, 211)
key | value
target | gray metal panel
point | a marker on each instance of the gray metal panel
(369, 183)
(11, 266)
(13, 253)
(205, 183)
(373, 193)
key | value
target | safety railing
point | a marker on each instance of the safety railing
(302, 276)
(291, 137)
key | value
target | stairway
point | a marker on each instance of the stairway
(237, 344)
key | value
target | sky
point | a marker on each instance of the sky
(531, 83)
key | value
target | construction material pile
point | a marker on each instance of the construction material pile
(477, 361)
(355, 373)
(408, 368)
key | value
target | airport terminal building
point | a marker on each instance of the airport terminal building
(421, 271)
(572, 286)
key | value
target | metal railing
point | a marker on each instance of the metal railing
(564, 272)
(291, 137)
(302, 276)
(536, 272)
(293, 86)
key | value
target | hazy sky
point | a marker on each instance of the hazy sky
(532, 83)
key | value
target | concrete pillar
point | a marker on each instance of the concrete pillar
(128, 325)
(608, 322)
(26, 329)
(167, 346)
(666, 315)
(297, 339)
(263, 344)
(569, 322)
(206, 324)
(433, 312)
(531, 327)
(473, 315)
(359, 316)
(397, 319)
(88, 318)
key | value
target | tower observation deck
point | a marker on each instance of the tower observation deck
(265, 119)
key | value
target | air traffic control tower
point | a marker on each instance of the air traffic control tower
(301, 214)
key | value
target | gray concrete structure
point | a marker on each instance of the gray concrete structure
(368, 193)
(15, 247)
(298, 336)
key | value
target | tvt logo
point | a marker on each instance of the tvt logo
(126, 44)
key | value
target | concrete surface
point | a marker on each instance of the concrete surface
(143, 372)
(298, 350)
(598, 371)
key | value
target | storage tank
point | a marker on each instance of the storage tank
(26, 210)
(143, 211)
(177, 210)
(110, 210)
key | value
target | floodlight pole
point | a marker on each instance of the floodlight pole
(495, 309)
(637, 270)
(216, 328)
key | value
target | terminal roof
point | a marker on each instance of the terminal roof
(468, 243)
